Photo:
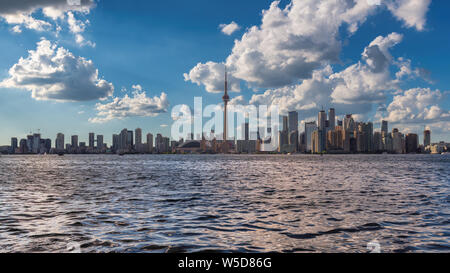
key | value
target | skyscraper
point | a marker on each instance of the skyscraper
(384, 127)
(14, 144)
(349, 123)
(36, 143)
(426, 138)
(91, 140)
(59, 143)
(332, 118)
(293, 121)
(285, 124)
(100, 142)
(138, 136)
(412, 143)
(310, 127)
(130, 140)
(150, 143)
(74, 141)
(123, 139)
(115, 143)
(322, 120)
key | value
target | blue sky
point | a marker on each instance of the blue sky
(153, 43)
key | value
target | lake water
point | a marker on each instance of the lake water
(245, 203)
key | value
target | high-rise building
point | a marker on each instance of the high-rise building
(150, 143)
(349, 123)
(317, 141)
(123, 139)
(91, 140)
(310, 127)
(23, 147)
(412, 143)
(322, 120)
(130, 140)
(14, 144)
(115, 143)
(377, 142)
(398, 142)
(36, 143)
(293, 121)
(426, 138)
(285, 124)
(74, 142)
(59, 143)
(384, 127)
(100, 143)
(138, 136)
(332, 118)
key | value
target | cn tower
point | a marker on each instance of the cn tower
(226, 99)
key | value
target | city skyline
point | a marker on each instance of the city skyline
(379, 64)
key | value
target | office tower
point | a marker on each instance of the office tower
(115, 143)
(74, 142)
(342, 139)
(158, 142)
(36, 143)
(293, 141)
(384, 127)
(322, 120)
(138, 136)
(398, 142)
(340, 123)
(285, 124)
(310, 127)
(293, 121)
(23, 147)
(332, 118)
(30, 143)
(100, 142)
(426, 138)
(283, 140)
(123, 137)
(150, 143)
(246, 131)
(317, 141)
(59, 143)
(349, 123)
(302, 142)
(14, 144)
(130, 140)
(377, 142)
(91, 140)
(47, 145)
(365, 137)
(412, 143)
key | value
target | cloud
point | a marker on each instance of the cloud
(411, 12)
(138, 105)
(230, 28)
(21, 15)
(212, 76)
(353, 90)
(417, 105)
(292, 42)
(53, 73)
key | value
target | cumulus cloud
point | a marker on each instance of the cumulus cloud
(417, 105)
(353, 90)
(411, 12)
(138, 105)
(293, 41)
(212, 76)
(53, 73)
(21, 15)
(230, 28)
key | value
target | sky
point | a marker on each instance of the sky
(100, 66)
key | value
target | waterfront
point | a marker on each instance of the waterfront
(244, 203)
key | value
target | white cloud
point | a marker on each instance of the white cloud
(417, 105)
(353, 90)
(411, 12)
(230, 28)
(21, 15)
(53, 73)
(294, 41)
(139, 105)
(212, 76)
